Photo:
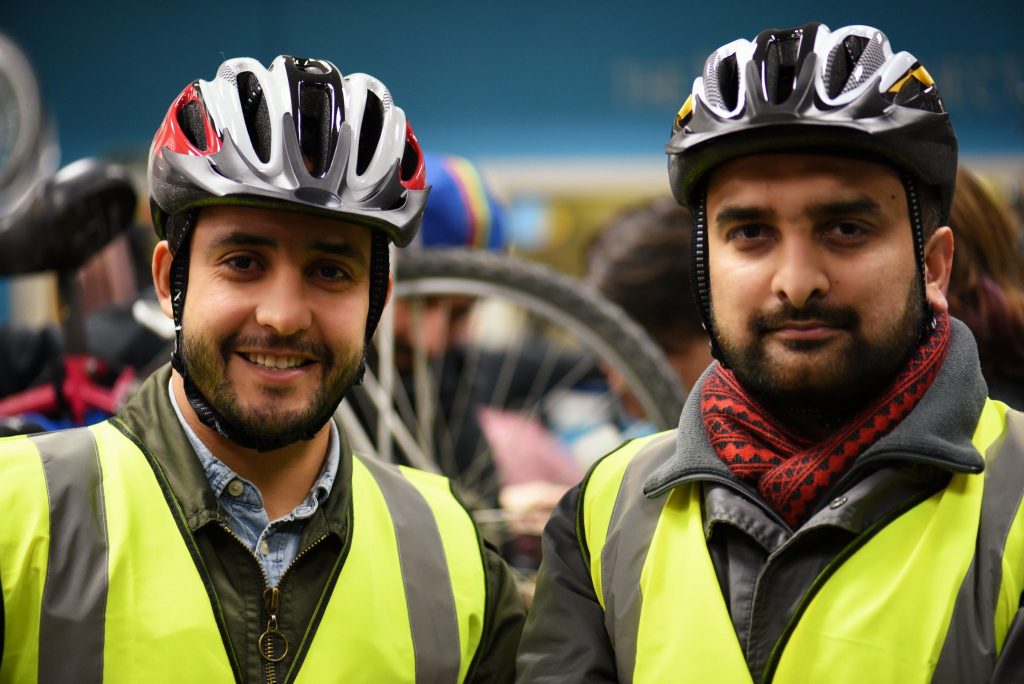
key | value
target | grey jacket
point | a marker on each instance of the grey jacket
(764, 567)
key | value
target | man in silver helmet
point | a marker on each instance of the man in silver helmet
(841, 499)
(219, 528)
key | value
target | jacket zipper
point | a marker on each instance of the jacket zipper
(272, 640)
(272, 643)
(271, 636)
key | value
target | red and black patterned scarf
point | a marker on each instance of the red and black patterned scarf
(790, 472)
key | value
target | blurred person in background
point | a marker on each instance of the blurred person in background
(461, 213)
(986, 289)
(841, 499)
(634, 261)
(219, 527)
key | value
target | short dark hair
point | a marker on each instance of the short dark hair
(640, 260)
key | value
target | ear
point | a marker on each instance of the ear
(938, 264)
(162, 276)
(391, 282)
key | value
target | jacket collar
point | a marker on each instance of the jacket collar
(150, 421)
(939, 429)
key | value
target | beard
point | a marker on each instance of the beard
(268, 425)
(842, 381)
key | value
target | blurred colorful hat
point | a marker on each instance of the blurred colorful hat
(461, 210)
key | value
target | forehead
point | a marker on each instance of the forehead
(283, 228)
(774, 177)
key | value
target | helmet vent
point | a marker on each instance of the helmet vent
(729, 82)
(868, 64)
(841, 62)
(917, 95)
(314, 127)
(852, 63)
(370, 131)
(255, 113)
(410, 161)
(721, 82)
(190, 119)
(779, 69)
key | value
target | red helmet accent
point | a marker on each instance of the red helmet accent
(170, 134)
(417, 180)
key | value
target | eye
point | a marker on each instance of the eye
(848, 232)
(331, 272)
(749, 232)
(242, 262)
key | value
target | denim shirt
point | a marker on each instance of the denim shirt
(275, 544)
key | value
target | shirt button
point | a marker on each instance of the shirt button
(235, 488)
(837, 502)
(264, 547)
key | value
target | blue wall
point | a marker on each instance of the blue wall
(521, 78)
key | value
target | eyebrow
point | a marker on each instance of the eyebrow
(341, 249)
(859, 206)
(855, 207)
(337, 248)
(240, 239)
(738, 214)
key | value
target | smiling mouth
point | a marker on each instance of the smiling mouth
(276, 361)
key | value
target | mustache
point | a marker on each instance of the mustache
(276, 343)
(831, 316)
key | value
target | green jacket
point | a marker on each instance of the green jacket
(235, 578)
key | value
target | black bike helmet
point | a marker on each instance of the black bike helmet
(811, 89)
(296, 136)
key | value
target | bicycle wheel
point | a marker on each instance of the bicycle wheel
(474, 339)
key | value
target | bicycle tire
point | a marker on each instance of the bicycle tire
(559, 301)
(576, 301)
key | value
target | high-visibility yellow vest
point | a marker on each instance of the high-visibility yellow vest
(102, 578)
(883, 613)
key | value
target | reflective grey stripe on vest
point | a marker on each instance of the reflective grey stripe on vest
(71, 626)
(625, 551)
(428, 590)
(969, 651)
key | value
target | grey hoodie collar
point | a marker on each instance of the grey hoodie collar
(938, 430)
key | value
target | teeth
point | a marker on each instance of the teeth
(269, 361)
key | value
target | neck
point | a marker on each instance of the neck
(283, 476)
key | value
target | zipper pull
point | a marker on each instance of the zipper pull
(273, 644)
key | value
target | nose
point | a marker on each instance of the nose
(282, 306)
(799, 275)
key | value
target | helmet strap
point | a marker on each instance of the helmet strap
(700, 283)
(380, 269)
(179, 281)
(917, 229)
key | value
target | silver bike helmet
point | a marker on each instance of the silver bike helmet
(811, 89)
(297, 136)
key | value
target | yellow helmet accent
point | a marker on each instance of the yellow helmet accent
(920, 73)
(685, 110)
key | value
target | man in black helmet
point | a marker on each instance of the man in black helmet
(841, 499)
(219, 528)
